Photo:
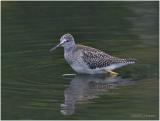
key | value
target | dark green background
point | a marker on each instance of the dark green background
(32, 85)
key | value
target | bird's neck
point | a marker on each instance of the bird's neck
(69, 49)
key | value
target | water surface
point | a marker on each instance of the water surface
(32, 83)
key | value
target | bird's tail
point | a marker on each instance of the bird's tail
(122, 62)
(130, 61)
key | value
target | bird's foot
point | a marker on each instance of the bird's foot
(113, 73)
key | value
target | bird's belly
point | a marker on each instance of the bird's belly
(86, 70)
(79, 68)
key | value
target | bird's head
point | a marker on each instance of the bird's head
(66, 41)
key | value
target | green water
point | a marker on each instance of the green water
(32, 85)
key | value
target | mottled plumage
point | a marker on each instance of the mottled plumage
(97, 59)
(84, 59)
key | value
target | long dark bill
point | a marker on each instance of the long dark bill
(55, 47)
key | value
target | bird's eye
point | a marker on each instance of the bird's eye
(67, 40)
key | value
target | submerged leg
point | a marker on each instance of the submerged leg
(68, 74)
(112, 73)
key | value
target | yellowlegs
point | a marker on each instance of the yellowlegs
(88, 60)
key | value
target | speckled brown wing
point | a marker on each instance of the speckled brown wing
(99, 59)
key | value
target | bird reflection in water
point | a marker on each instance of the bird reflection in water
(82, 88)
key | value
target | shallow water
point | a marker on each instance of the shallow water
(32, 83)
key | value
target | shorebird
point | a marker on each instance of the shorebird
(88, 60)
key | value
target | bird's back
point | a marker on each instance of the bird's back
(95, 58)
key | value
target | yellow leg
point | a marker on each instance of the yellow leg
(113, 73)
